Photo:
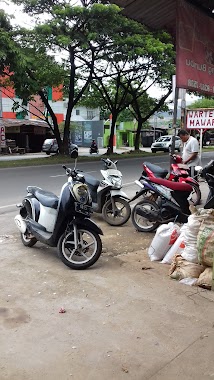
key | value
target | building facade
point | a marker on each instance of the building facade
(28, 129)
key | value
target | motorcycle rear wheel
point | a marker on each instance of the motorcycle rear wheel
(140, 222)
(88, 251)
(123, 212)
(195, 196)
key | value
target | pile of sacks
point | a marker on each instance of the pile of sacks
(189, 250)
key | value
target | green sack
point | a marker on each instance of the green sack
(205, 245)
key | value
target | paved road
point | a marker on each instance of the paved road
(51, 177)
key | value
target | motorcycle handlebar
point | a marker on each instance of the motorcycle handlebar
(70, 172)
(108, 161)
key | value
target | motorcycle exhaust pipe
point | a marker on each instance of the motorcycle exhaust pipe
(151, 216)
(20, 223)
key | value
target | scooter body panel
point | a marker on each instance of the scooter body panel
(47, 217)
(188, 180)
(32, 205)
(47, 224)
(118, 193)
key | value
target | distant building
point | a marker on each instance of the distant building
(29, 131)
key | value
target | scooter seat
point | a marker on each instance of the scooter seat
(46, 198)
(91, 181)
(157, 170)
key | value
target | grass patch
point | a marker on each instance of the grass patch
(59, 159)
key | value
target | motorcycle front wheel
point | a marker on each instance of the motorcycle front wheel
(88, 251)
(139, 220)
(27, 240)
(122, 212)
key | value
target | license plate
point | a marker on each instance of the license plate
(84, 209)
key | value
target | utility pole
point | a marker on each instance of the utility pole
(182, 92)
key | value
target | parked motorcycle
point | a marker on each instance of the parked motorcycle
(107, 196)
(179, 173)
(208, 174)
(165, 201)
(63, 222)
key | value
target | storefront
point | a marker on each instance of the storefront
(27, 134)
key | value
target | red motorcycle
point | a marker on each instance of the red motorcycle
(179, 173)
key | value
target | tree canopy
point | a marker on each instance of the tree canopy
(81, 46)
(202, 103)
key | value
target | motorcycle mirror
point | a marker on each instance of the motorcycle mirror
(198, 168)
(74, 151)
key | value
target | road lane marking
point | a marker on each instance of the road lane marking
(128, 183)
(7, 206)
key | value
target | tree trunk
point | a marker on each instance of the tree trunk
(138, 133)
(54, 119)
(66, 135)
(112, 132)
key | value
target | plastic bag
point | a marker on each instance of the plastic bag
(189, 281)
(165, 236)
(189, 232)
(175, 249)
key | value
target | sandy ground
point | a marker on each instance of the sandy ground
(125, 318)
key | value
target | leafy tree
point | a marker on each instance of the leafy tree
(71, 33)
(74, 45)
(134, 61)
(202, 103)
(92, 98)
(126, 115)
(143, 108)
(8, 49)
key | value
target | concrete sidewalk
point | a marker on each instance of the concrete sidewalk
(125, 318)
(82, 152)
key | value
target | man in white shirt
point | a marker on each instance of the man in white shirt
(190, 150)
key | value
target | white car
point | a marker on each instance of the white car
(50, 146)
(164, 144)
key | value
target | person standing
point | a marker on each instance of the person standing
(190, 154)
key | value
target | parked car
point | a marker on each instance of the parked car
(50, 146)
(164, 144)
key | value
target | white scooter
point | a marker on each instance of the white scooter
(107, 196)
(63, 222)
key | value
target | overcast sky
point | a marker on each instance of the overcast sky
(16, 11)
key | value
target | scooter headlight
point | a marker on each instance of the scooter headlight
(116, 181)
(81, 193)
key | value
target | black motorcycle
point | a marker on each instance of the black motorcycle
(208, 174)
(63, 222)
(162, 201)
